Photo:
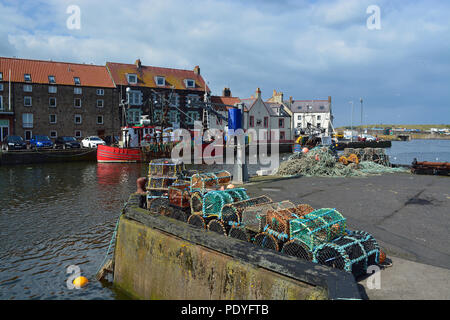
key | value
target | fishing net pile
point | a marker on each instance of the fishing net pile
(323, 162)
(317, 162)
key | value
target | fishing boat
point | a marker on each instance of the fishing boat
(138, 144)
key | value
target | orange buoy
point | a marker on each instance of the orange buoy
(305, 150)
(230, 186)
(80, 282)
(317, 157)
(382, 256)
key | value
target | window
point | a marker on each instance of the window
(281, 123)
(1, 86)
(99, 119)
(27, 88)
(53, 134)
(1, 102)
(27, 101)
(27, 77)
(189, 83)
(192, 99)
(52, 118)
(27, 120)
(76, 80)
(77, 103)
(299, 107)
(282, 136)
(77, 133)
(175, 99)
(77, 90)
(1, 76)
(100, 103)
(299, 118)
(100, 92)
(160, 81)
(266, 122)
(134, 116)
(135, 97)
(28, 135)
(132, 78)
(52, 102)
(78, 119)
(252, 121)
(319, 118)
(322, 107)
(51, 79)
(52, 89)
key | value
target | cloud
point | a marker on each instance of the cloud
(307, 49)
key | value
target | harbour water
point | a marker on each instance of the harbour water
(56, 215)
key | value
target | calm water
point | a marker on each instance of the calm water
(56, 215)
(404, 152)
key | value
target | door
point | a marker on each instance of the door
(4, 128)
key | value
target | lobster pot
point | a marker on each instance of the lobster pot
(160, 181)
(197, 220)
(154, 194)
(254, 217)
(370, 245)
(240, 233)
(232, 212)
(165, 167)
(177, 214)
(346, 253)
(238, 194)
(159, 206)
(303, 209)
(179, 195)
(267, 241)
(196, 202)
(318, 227)
(278, 220)
(297, 249)
(217, 226)
(214, 201)
(211, 180)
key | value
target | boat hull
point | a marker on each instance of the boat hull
(114, 154)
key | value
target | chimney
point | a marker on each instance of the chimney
(329, 99)
(197, 70)
(226, 92)
(290, 100)
(138, 64)
(258, 93)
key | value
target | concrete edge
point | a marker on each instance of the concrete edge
(339, 284)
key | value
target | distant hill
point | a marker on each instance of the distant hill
(422, 127)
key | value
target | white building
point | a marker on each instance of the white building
(317, 113)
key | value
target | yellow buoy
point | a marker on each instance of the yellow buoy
(80, 282)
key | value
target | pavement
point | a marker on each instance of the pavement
(407, 214)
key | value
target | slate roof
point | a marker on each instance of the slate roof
(314, 106)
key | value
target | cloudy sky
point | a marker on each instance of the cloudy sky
(306, 49)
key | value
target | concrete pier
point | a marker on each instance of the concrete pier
(160, 258)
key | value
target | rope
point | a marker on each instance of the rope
(113, 239)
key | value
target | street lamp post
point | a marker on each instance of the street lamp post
(351, 123)
(361, 100)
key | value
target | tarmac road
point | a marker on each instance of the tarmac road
(409, 216)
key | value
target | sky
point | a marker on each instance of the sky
(306, 49)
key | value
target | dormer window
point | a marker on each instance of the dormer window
(160, 81)
(27, 77)
(189, 83)
(322, 107)
(51, 79)
(132, 78)
(76, 80)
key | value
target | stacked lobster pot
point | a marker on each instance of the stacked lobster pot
(162, 175)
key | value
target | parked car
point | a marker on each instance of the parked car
(41, 142)
(368, 137)
(92, 142)
(66, 143)
(13, 143)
